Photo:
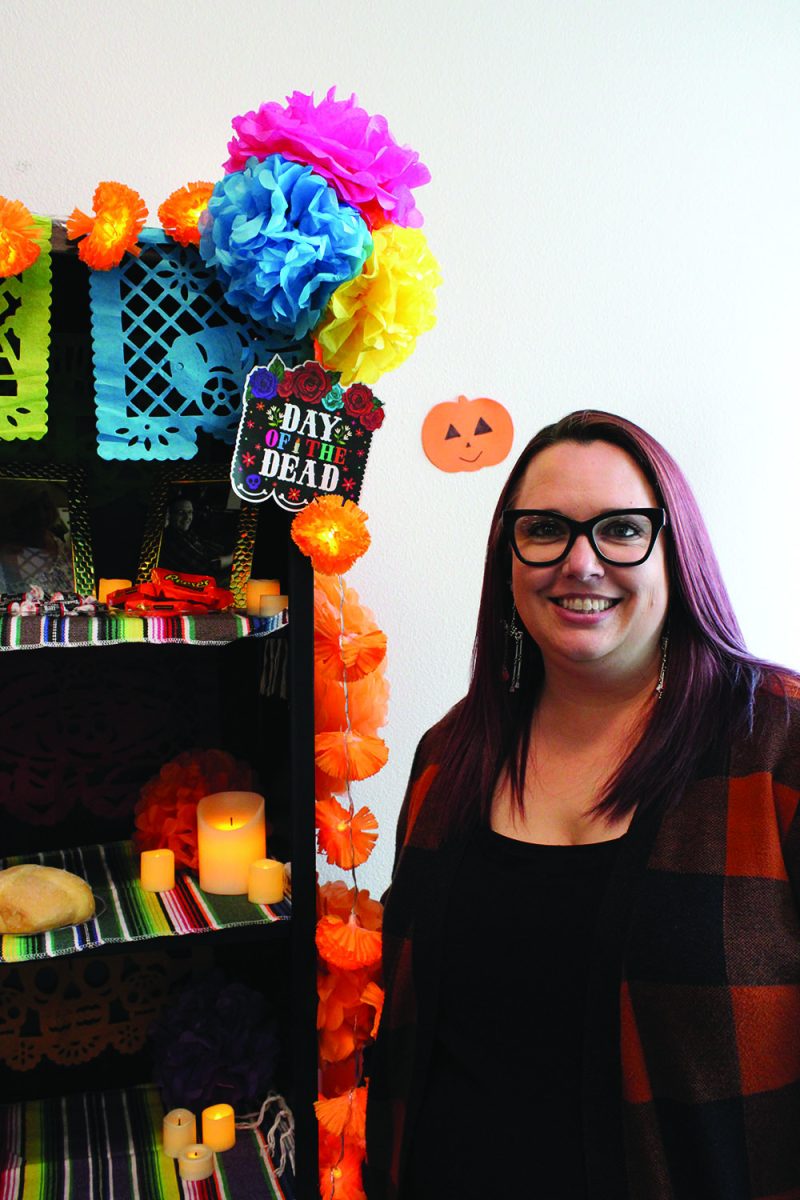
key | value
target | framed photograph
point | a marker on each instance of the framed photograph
(197, 525)
(44, 530)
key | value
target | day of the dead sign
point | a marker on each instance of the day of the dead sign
(302, 435)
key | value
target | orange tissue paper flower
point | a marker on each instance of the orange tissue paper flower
(346, 637)
(180, 212)
(166, 811)
(347, 944)
(346, 841)
(367, 703)
(350, 755)
(335, 898)
(344, 1116)
(120, 214)
(19, 238)
(340, 1172)
(338, 1077)
(373, 995)
(332, 532)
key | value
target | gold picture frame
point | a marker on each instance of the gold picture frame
(45, 538)
(213, 531)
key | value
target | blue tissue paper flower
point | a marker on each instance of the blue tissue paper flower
(281, 242)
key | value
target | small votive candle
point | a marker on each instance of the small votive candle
(255, 589)
(230, 836)
(106, 586)
(157, 870)
(180, 1132)
(219, 1131)
(196, 1162)
(265, 881)
(270, 606)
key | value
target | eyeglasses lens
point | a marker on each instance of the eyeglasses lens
(624, 539)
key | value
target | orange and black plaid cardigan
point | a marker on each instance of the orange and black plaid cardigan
(696, 964)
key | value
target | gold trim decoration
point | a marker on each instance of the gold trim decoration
(73, 481)
(172, 475)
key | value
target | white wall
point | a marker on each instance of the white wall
(616, 208)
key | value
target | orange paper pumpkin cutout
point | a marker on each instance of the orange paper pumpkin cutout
(465, 435)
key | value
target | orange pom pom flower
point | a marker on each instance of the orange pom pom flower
(373, 995)
(332, 532)
(19, 238)
(120, 214)
(346, 841)
(180, 212)
(340, 1172)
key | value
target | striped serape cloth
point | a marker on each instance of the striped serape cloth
(107, 629)
(94, 1146)
(125, 911)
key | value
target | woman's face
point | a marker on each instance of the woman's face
(580, 480)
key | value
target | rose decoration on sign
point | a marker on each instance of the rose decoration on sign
(301, 436)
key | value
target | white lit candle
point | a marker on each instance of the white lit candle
(265, 882)
(270, 606)
(230, 836)
(255, 589)
(180, 1131)
(219, 1131)
(196, 1162)
(158, 870)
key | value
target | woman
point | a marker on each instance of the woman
(591, 940)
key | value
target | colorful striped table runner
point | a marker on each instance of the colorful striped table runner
(127, 913)
(94, 1146)
(30, 633)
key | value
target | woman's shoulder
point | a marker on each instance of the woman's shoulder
(773, 743)
(431, 746)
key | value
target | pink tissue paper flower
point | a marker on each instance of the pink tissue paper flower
(354, 151)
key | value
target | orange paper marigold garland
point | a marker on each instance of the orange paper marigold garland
(346, 840)
(19, 238)
(180, 212)
(332, 532)
(350, 755)
(346, 944)
(120, 214)
(344, 1115)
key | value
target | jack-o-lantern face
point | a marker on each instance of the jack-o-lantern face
(465, 435)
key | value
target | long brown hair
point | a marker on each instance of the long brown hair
(711, 679)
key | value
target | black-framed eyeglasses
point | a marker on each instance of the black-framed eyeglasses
(622, 537)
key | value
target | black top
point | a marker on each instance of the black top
(501, 1108)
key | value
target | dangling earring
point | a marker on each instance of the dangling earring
(515, 634)
(659, 692)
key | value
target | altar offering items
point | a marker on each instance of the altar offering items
(196, 1162)
(270, 606)
(255, 589)
(218, 1128)
(166, 811)
(179, 1131)
(106, 586)
(34, 899)
(230, 836)
(265, 881)
(173, 592)
(38, 603)
(158, 873)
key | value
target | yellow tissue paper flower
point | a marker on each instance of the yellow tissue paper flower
(372, 322)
